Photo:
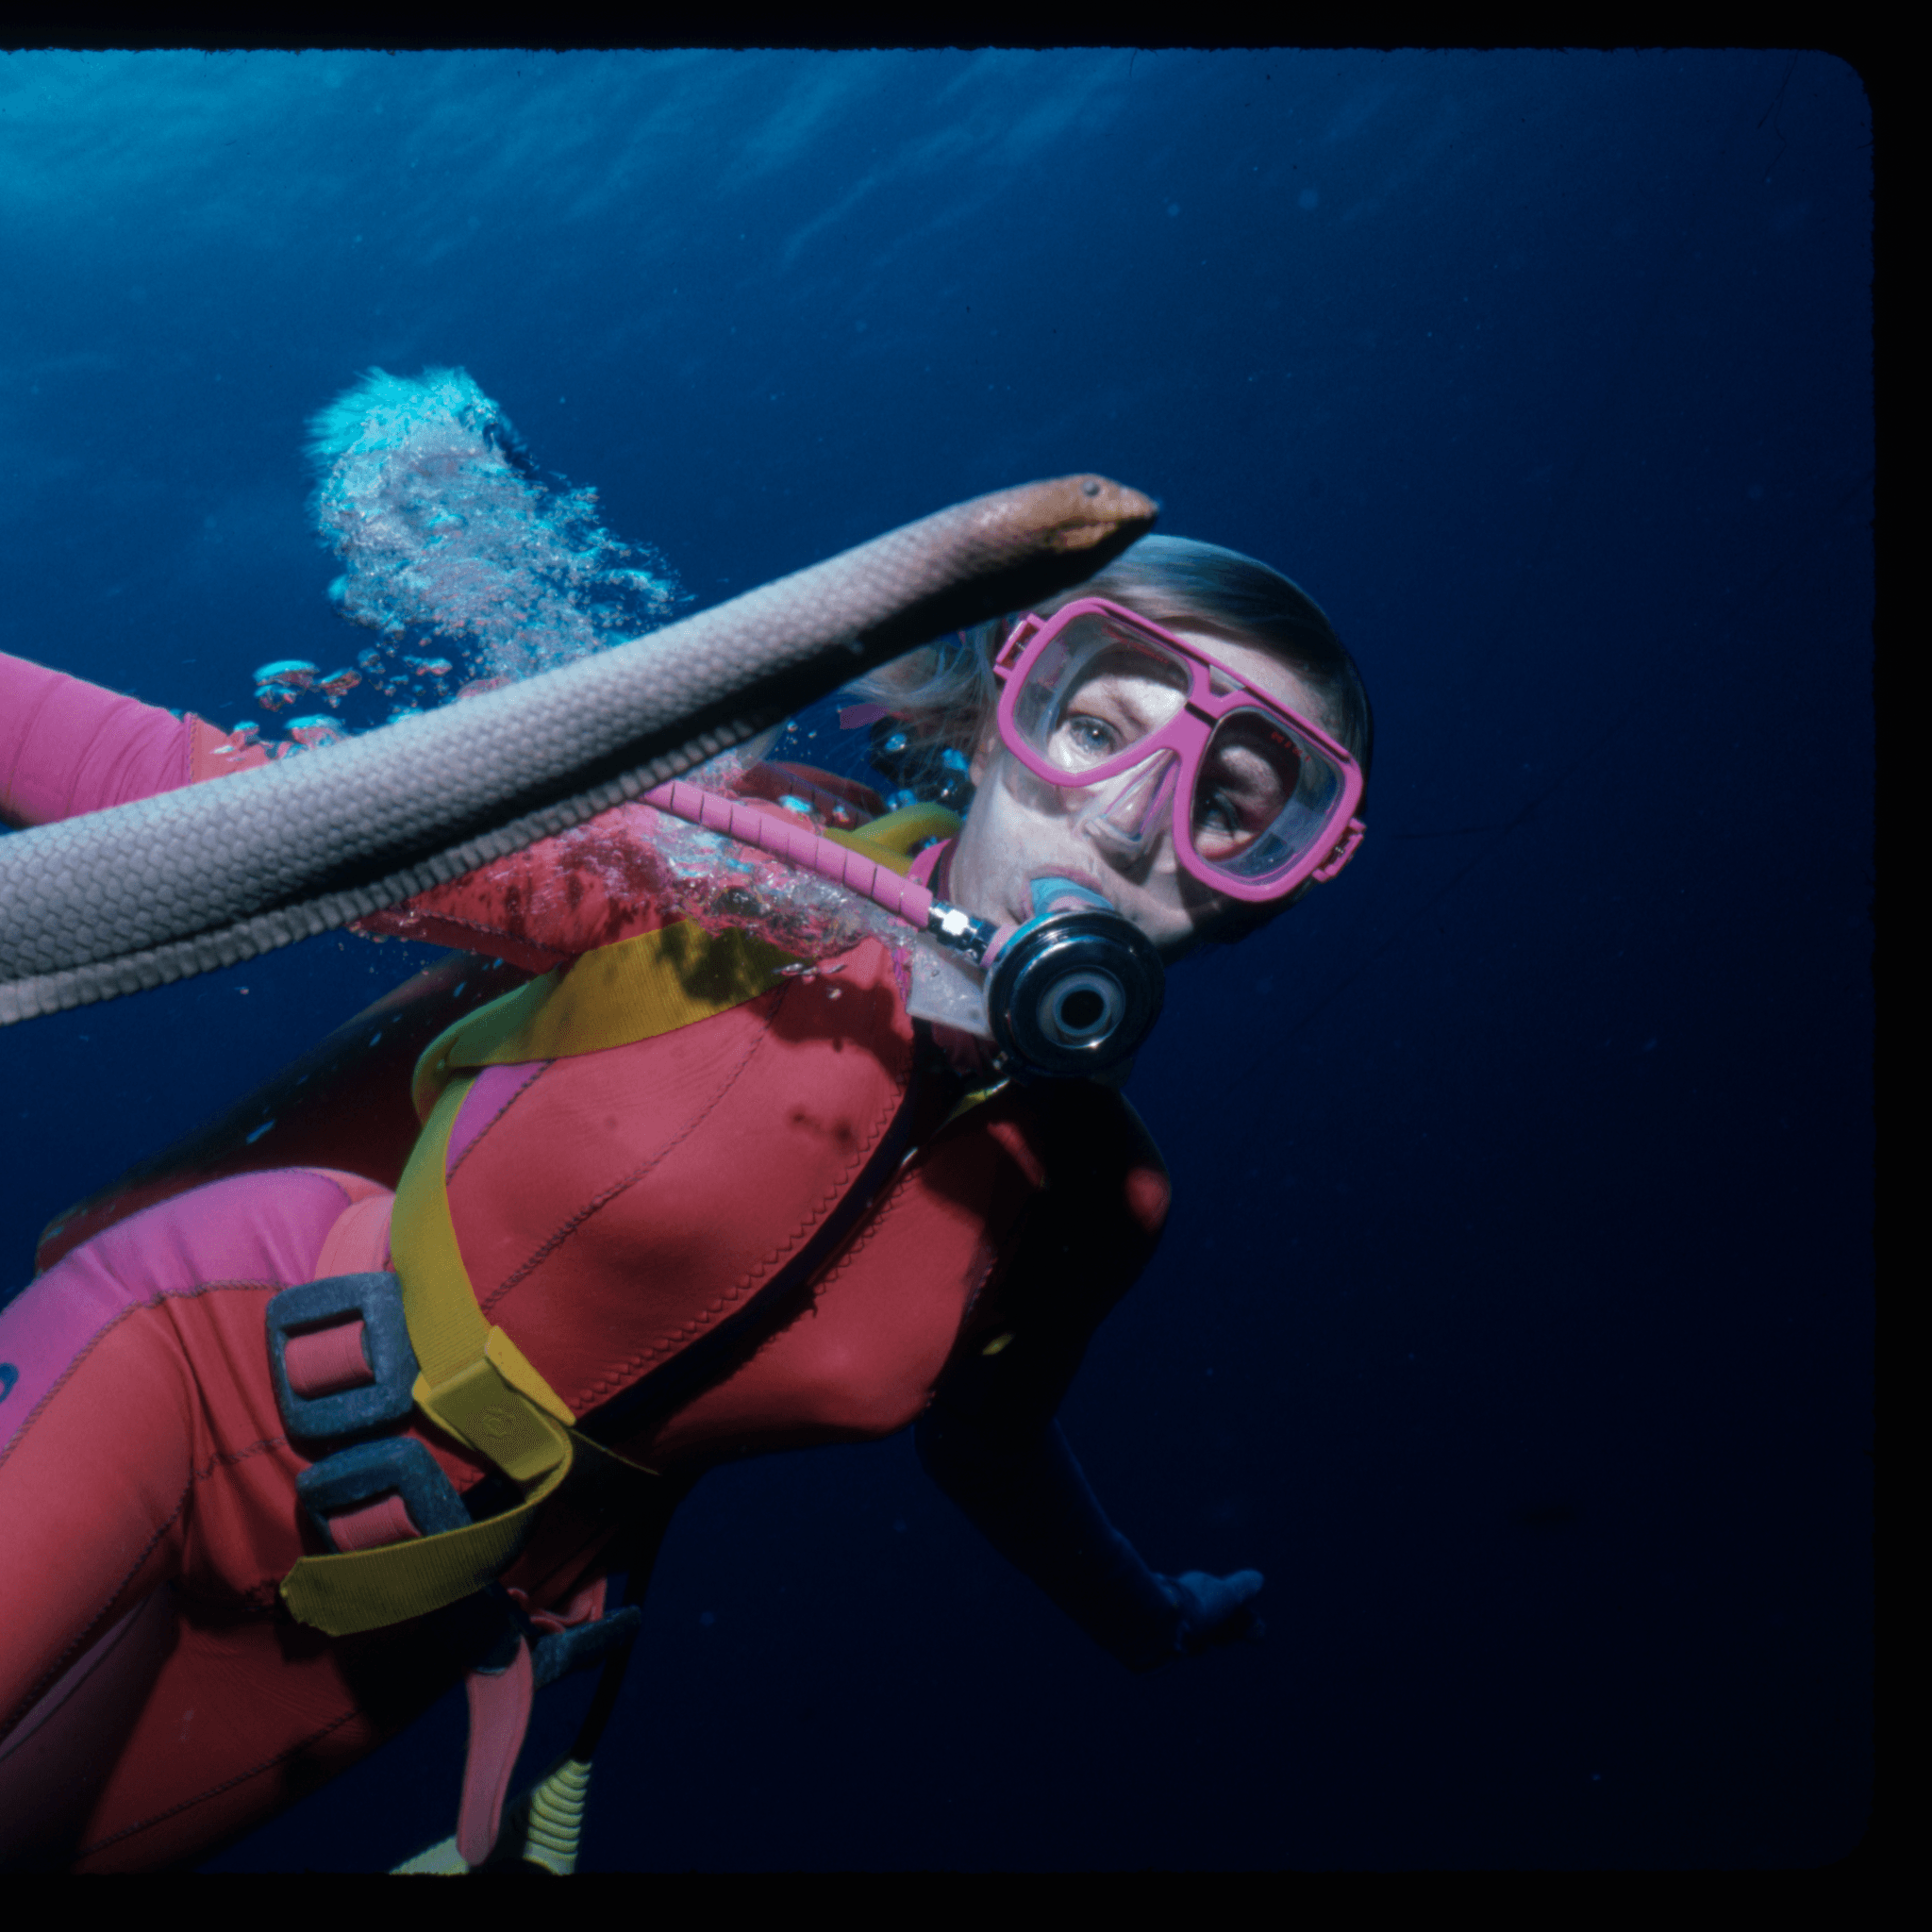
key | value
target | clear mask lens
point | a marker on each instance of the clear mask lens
(1262, 794)
(1262, 797)
(1095, 692)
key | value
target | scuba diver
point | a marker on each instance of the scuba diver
(768, 1111)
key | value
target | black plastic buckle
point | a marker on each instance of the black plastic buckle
(560, 1652)
(379, 1300)
(354, 1476)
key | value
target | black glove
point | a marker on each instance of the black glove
(1213, 1610)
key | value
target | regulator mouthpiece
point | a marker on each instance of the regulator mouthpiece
(1074, 993)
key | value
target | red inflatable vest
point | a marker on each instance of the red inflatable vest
(616, 1212)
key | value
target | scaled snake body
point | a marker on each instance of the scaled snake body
(167, 887)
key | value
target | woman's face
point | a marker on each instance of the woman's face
(1022, 829)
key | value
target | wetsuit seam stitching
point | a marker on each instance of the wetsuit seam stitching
(215, 1791)
(476, 1139)
(228, 1458)
(100, 1334)
(80, 1645)
(892, 1203)
(260, 1595)
(554, 1241)
(615, 1380)
(198, 1473)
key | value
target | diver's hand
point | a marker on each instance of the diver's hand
(1214, 1609)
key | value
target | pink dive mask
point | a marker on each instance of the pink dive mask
(1258, 798)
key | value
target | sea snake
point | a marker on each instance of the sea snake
(118, 901)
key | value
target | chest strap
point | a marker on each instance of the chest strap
(614, 996)
(474, 1383)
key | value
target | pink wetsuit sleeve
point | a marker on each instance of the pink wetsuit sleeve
(69, 747)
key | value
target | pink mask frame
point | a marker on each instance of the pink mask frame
(1187, 734)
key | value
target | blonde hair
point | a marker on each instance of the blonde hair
(944, 695)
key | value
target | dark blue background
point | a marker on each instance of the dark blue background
(1514, 1317)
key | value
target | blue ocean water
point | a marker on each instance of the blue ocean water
(1514, 1317)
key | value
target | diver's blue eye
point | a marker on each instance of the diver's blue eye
(1085, 739)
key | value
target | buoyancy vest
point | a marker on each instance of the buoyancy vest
(620, 1211)
(764, 1207)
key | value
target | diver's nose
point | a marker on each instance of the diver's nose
(1125, 819)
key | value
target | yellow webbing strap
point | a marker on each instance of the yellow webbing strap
(615, 996)
(475, 1383)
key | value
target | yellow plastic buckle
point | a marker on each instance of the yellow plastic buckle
(480, 1407)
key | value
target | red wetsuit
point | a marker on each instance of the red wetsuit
(614, 1212)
